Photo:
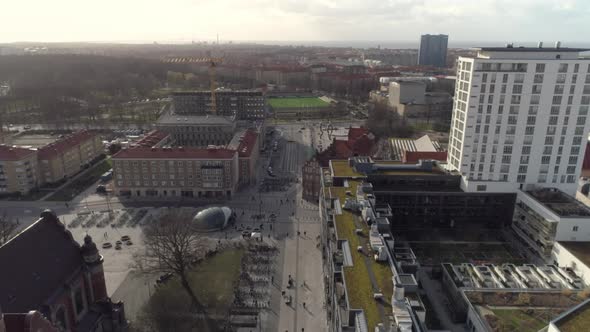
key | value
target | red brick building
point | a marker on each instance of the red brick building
(60, 279)
(360, 142)
(248, 152)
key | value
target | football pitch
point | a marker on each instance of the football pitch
(297, 102)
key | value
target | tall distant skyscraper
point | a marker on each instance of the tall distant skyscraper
(433, 50)
(520, 118)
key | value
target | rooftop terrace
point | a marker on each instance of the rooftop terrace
(579, 249)
(559, 202)
(340, 168)
(366, 276)
(575, 320)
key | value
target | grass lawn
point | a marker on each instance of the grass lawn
(213, 283)
(523, 320)
(295, 102)
(342, 169)
(577, 321)
(214, 280)
(81, 183)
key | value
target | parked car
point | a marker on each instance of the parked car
(101, 189)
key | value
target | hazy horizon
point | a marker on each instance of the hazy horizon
(293, 21)
(392, 44)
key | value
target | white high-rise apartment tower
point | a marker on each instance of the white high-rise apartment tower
(520, 118)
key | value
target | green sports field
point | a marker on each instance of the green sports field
(297, 102)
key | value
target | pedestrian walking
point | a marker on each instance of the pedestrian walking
(304, 233)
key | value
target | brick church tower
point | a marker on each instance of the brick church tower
(93, 261)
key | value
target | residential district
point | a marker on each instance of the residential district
(315, 218)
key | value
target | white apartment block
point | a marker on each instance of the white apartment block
(520, 118)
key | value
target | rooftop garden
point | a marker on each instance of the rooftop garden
(578, 320)
(360, 289)
(523, 320)
(342, 169)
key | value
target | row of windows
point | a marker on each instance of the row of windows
(137, 183)
(522, 67)
(521, 178)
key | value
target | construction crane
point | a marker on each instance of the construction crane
(213, 63)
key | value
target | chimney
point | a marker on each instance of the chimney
(557, 44)
(540, 45)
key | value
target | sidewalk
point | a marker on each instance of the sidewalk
(303, 261)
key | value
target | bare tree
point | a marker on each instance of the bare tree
(172, 245)
(7, 228)
(384, 121)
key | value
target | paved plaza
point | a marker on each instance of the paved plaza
(297, 256)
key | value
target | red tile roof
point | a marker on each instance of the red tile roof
(152, 138)
(64, 144)
(362, 146)
(355, 133)
(360, 142)
(247, 143)
(174, 153)
(12, 153)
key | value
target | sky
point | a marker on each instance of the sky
(292, 20)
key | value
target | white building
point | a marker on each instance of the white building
(520, 118)
(545, 216)
(574, 256)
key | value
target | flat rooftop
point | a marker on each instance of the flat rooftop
(559, 202)
(531, 49)
(575, 320)
(579, 249)
(490, 277)
(34, 140)
(357, 277)
(342, 168)
(508, 310)
(202, 120)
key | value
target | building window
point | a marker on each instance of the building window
(540, 68)
(481, 187)
(562, 68)
(575, 228)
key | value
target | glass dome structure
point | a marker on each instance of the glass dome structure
(212, 219)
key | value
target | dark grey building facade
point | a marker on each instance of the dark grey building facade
(244, 105)
(433, 50)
